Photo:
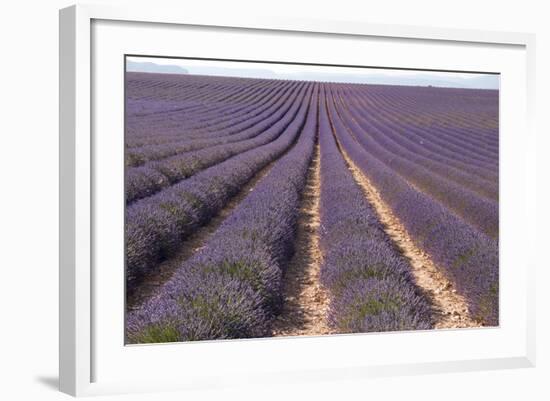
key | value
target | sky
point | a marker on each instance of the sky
(314, 73)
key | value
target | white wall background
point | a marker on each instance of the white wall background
(29, 185)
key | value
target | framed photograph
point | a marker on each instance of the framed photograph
(264, 200)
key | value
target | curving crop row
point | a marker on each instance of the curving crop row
(226, 115)
(400, 146)
(479, 211)
(231, 288)
(190, 101)
(371, 286)
(474, 111)
(178, 124)
(152, 177)
(475, 118)
(174, 123)
(238, 130)
(157, 224)
(235, 114)
(442, 135)
(430, 136)
(468, 257)
(416, 138)
(182, 88)
(163, 128)
(445, 109)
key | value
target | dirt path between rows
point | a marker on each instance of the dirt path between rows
(450, 308)
(189, 246)
(305, 301)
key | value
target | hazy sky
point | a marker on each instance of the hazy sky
(321, 73)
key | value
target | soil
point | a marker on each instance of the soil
(305, 301)
(450, 308)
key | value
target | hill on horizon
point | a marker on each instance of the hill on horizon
(147, 66)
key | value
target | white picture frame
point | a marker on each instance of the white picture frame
(80, 373)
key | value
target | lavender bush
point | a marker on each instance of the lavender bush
(142, 181)
(479, 211)
(231, 287)
(193, 202)
(234, 129)
(469, 257)
(370, 283)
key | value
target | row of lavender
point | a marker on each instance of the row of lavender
(436, 179)
(462, 113)
(195, 122)
(217, 132)
(231, 288)
(436, 130)
(192, 110)
(154, 176)
(468, 256)
(430, 137)
(371, 286)
(156, 225)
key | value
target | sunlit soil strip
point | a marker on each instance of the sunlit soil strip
(305, 301)
(450, 308)
(189, 246)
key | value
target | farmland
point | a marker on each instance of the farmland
(260, 207)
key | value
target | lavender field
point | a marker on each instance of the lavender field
(264, 207)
